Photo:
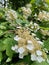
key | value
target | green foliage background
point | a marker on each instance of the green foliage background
(6, 36)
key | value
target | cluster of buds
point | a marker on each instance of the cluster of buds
(27, 44)
(11, 15)
(43, 16)
(26, 11)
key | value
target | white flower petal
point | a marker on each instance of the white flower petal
(16, 47)
(21, 50)
(38, 52)
(21, 56)
(33, 34)
(35, 14)
(17, 38)
(37, 39)
(13, 48)
(30, 47)
(40, 42)
(40, 59)
(33, 57)
(29, 42)
(19, 27)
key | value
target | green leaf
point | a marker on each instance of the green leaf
(2, 46)
(46, 44)
(9, 42)
(1, 32)
(9, 52)
(1, 57)
(2, 27)
(32, 1)
(27, 59)
(19, 21)
(39, 35)
(9, 34)
(42, 63)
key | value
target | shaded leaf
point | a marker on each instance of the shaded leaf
(46, 44)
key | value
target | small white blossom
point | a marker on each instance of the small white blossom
(35, 15)
(30, 45)
(33, 57)
(46, 50)
(15, 48)
(29, 42)
(33, 34)
(40, 59)
(36, 25)
(19, 27)
(37, 39)
(40, 42)
(31, 22)
(38, 52)
(21, 50)
(32, 27)
(21, 56)
(17, 38)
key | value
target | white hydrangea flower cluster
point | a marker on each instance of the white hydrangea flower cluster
(43, 16)
(11, 15)
(26, 11)
(28, 44)
(34, 26)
